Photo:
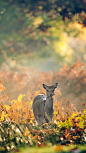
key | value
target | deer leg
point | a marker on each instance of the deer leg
(51, 114)
(47, 117)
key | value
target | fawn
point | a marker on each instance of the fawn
(43, 105)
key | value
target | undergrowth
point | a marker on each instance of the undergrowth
(17, 124)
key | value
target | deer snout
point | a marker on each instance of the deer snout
(51, 95)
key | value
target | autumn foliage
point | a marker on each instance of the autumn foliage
(17, 91)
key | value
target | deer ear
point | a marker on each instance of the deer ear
(44, 86)
(55, 85)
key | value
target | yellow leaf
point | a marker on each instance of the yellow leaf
(38, 21)
(81, 124)
(20, 97)
(15, 101)
(37, 92)
(84, 111)
(7, 107)
(3, 115)
(31, 122)
(40, 7)
(31, 102)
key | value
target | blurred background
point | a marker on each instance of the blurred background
(42, 34)
(43, 41)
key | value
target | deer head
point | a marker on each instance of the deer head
(50, 89)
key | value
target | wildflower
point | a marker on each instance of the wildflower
(17, 138)
(1, 138)
(17, 130)
(13, 126)
(26, 141)
(12, 147)
(61, 138)
(8, 148)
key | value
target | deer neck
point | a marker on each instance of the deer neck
(49, 101)
(49, 98)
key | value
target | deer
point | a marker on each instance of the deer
(43, 105)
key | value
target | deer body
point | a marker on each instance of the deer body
(43, 105)
(49, 108)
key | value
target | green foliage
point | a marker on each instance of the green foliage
(37, 28)
(13, 136)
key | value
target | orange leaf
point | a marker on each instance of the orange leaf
(35, 137)
(66, 131)
(41, 144)
(26, 132)
(57, 148)
(1, 86)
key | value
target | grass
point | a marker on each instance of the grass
(37, 150)
(53, 149)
